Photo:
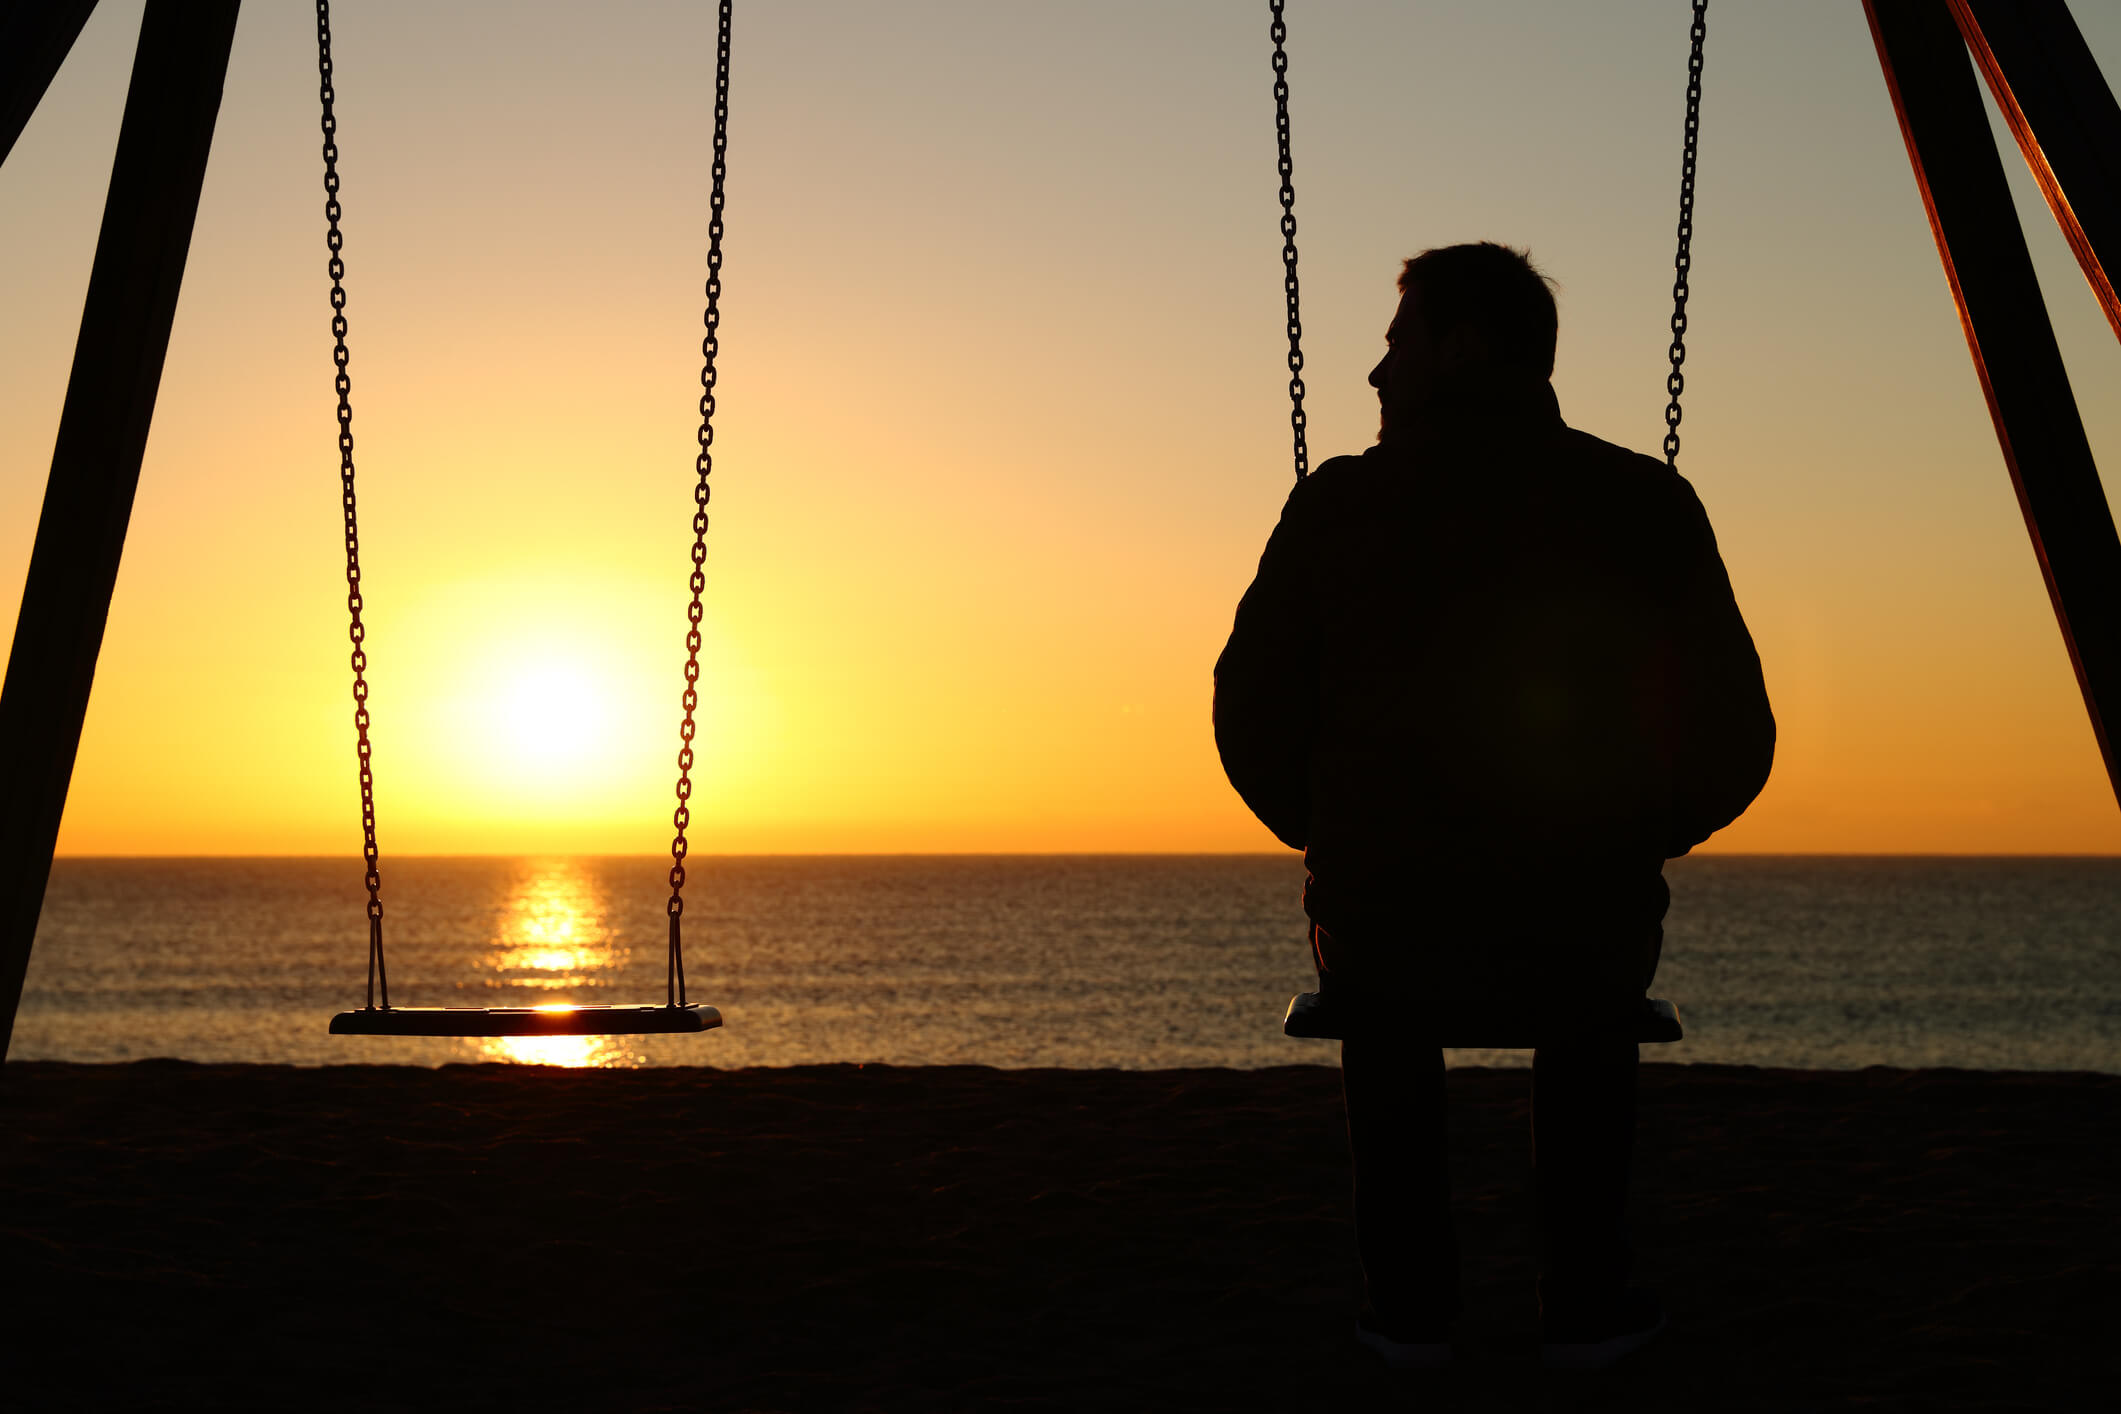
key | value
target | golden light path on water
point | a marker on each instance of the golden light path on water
(573, 1052)
(552, 937)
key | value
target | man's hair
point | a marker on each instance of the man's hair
(1493, 288)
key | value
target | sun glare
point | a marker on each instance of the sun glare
(557, 715)
(560, 733)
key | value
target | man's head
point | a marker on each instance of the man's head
(1469, 316)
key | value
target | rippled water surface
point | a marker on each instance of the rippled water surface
(1130, 961)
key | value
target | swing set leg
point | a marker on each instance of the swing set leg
(34, 40)
(163, 141)
(2037, 59)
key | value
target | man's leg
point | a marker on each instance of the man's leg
(1397, 1139)
(1583, 1144)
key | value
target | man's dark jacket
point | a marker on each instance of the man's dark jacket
(1488, 679)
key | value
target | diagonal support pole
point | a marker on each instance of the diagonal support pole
(1985, 259)
(2064, 117)
(110, 403)
(35, 38)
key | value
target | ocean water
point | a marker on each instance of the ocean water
(1125, 961)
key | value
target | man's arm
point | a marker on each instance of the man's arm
(1266, 684)
(1726, 728)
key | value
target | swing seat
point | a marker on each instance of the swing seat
(526, 1021)
(1495, 1026)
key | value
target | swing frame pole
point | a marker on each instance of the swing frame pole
(2049, 89)
(1930, 75)
(170, 110)
(34, 42)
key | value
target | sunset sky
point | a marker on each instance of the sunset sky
(1002, 415)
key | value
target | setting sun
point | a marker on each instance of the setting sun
(555, 716)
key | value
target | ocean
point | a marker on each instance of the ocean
(1133, 962)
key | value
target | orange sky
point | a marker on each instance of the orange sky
(1002, 424)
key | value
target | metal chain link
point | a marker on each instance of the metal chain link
(1280, 33)
(1684, 260)
(710, 345)
(378, 977)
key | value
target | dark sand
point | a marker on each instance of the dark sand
(174, 1235)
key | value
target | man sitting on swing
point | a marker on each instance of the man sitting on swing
(1489, 678)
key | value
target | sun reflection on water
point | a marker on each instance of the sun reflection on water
(575, 1052)
(552, 935)
(553, 946)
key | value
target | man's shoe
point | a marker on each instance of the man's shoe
(1406, 1350)
(1594, 1336)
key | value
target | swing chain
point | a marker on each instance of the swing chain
(1280, 33)
(378, 977)
(710, 345)
(1684, 260)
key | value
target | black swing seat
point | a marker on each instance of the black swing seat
(1482, 1025)
(525, 1020)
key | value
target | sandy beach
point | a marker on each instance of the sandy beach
(823, 1238)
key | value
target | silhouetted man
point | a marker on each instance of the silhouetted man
(1489, 678)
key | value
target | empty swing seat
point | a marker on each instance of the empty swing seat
(1477, 1025)
(526, 1021)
